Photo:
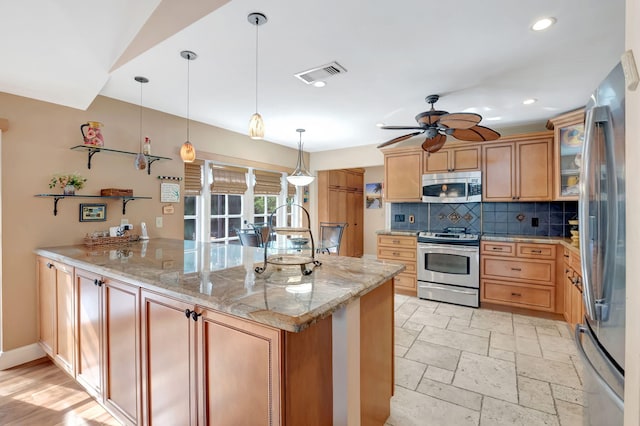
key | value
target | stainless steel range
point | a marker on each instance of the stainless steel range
(449, 266)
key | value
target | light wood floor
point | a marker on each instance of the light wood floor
(39, 393)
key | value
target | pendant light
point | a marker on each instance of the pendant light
(300, 176)
(140, 163)
(187, 151)
(256, 125)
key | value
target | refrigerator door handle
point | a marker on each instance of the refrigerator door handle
(589, 225)
(580, 329)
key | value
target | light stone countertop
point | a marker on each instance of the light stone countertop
(222, 277)
(565, 242)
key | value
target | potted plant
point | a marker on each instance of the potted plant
(68, 182)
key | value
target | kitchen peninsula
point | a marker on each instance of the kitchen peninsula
(178, 332)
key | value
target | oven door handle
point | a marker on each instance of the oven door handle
(435, 287)
(440, 248)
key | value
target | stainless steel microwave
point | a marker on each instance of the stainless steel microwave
(456, 187)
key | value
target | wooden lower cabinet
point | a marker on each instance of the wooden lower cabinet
(524, 276)
(57, 312)
(107, 343)
(573, 302)
(401, 249)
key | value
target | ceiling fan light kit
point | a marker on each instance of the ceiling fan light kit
(436, 125)
(256, 124)
(300, 176)
(187, 151)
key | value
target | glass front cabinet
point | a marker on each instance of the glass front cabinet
(568, 138)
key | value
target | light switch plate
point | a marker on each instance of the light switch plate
(158, 221)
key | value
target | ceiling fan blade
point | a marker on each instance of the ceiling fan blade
(402, 127)
(476, 134)
(434, 144)
(460, 120)
(398, 139)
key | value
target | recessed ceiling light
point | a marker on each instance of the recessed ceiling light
(380, 124)
(530, 101)
(493, 118)
(319, 84)
(543, 24)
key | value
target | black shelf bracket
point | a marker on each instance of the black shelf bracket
(150, 161)
(55, 205)
(124, 204)
(90, 155)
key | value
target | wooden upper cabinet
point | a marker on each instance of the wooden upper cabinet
(338, 179)
(454, 159)
(568, 137)
(403, 174)
(518, 168)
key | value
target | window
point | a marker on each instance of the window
(263, 206)
(190, 217)
(219, 197)
(226, 214)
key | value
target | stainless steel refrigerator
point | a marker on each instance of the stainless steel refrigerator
(600, 338)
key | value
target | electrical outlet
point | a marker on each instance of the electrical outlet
(124, 222)
(534, 222)
(159, 222)
(412, 218)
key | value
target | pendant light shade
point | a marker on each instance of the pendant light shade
(256, 124)
(300, 176)
(140, 162)
(256, 127)
(187, 151)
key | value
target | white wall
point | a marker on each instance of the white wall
(632, 358)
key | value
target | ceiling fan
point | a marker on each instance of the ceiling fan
(437, 125)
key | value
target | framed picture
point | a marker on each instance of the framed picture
(169, 192)
(373, 195)
(93, 212)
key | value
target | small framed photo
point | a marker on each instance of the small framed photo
(93, 212)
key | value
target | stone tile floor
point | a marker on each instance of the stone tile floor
(464, 366)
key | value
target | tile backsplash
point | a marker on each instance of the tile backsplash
(540, 218)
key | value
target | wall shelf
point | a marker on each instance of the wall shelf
(93, 150)
(125, 199)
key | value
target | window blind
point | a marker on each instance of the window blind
(291, 190)
(267, 183)
(193, 178)
(228, 179)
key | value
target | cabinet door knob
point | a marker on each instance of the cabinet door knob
(95, 282)
(516, 269)
(99, 283)
(516, 294)
(195, 315)
(496, 248)
(49, 265)
(187, 313)
(536, 251)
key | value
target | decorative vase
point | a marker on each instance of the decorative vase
(69, 190)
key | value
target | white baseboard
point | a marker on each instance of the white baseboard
(20, 355)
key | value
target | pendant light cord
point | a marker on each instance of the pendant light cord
(188, 61)
(140, 130)
(257, 25)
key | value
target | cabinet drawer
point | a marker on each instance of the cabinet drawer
(397, 253)
(532, 297)
(542, 271)
(498, 248)
(536, 251)
(397, 241)
(405, 281)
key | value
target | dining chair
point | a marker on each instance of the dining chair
(264, 230)
(249, 237)
(330, 237)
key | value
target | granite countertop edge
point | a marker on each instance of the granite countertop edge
(398, 232)
(352, 289)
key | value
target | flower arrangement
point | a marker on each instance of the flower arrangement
(63, 179)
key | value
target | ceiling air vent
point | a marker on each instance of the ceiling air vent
(321, 73)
